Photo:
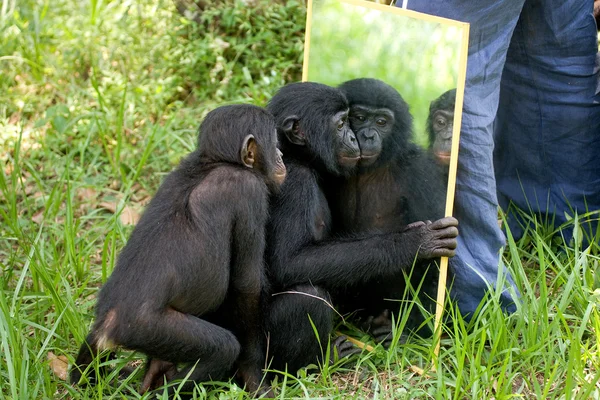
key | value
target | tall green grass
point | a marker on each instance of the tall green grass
(99, 100)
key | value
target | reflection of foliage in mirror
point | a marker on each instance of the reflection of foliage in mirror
(419, 58)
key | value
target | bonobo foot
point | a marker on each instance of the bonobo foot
(264, 392)
(341, 347)
(434, 239)
(250, 376)
(381, 328)
(156, 373)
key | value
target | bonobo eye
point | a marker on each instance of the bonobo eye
(340, 125)
(361, 118)
(441, 121)
(381, 121)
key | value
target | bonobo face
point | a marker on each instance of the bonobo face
(348, 151)
(280, 171)
(442, 124)
(371, 126)
(277, 171)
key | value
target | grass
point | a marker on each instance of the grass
(99, 100)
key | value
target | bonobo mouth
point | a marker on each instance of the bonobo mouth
(443, 157)
(368, 159)
(369, 156)
(349, 161)
(280, 177)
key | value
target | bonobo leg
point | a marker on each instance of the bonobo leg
(87, 352)
(208, 349)
(292, 339)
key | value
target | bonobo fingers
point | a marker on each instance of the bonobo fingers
(342, 347)
(438, 246)
(384, 318)
(383, 335)
(380, 327)
(443, 223)
(450, 232)
(445, 248)
(414, 225)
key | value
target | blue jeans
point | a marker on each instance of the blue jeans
(548, 107)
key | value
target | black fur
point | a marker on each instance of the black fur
(303, 255)
(397, 185)
(187, 285)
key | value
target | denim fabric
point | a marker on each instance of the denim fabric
(548, 124)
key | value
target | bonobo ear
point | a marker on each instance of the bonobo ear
(291, 128)
(249, 151)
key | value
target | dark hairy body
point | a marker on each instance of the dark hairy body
(188, 284)
(396, 184)
(309, 267)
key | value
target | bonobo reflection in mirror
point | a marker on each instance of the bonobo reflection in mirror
(440, 124)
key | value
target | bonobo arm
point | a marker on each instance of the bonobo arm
(296, 256)
(342, 262)
(250, 202)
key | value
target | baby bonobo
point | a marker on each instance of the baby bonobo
(186, 288)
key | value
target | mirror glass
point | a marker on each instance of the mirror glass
(421, 56)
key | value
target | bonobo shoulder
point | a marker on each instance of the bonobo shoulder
(299, 171)
(299, 178)
(230, 183)
(298, 194)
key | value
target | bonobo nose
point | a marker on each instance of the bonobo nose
(369, 133)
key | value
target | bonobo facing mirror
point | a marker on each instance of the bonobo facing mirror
(398, 187)
(187, 286)
(336, 146)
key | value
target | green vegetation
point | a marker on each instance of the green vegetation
(100, 99)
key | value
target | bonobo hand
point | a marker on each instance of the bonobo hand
(434, 239)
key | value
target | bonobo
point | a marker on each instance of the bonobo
(187, 286)
(396, 186)
(439, 126)
(309, 267)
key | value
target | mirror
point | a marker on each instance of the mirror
(421, 56)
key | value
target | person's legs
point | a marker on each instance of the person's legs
(548, 123)
(475, 266)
